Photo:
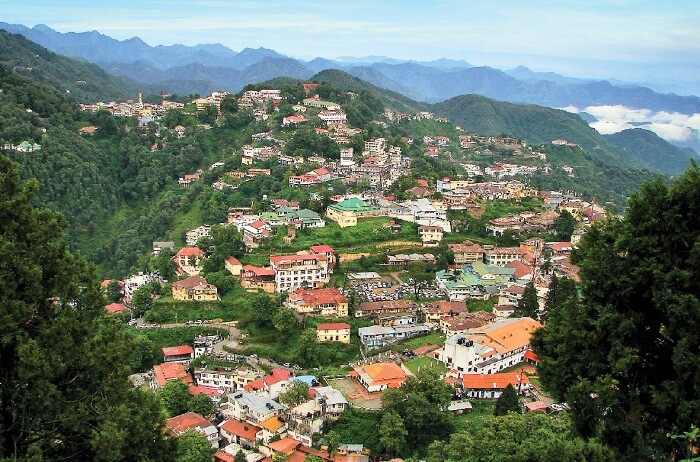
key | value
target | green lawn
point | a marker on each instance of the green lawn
(482, 305)
(481, 408)
(422, 362)
(433, 338)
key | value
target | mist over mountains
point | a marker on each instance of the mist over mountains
(208, 67)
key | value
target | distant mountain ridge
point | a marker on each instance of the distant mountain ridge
(653, 149)
(430, 81)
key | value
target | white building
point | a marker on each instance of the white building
(193, 235)
(294, 271)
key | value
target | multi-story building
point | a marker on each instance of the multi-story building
(375, 146)
(250, 407)
(501, 256)
(328, 302)
(257, 277)
(194, 288)
(466, 253)
(294, 271)
(188, 259)
(227, 379)
(430, 236)
(193, 235)
(333, 332)
(490, 348)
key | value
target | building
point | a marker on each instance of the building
(233, 266)
(194, 235)
(159, 246)
(258, 278)
(193, 421)
(467, 253)
(194, 288)
(225, 378)
(328, 302)
(379, 376)
(333, 332)
(241, 433)
(430, 236)
(272, 385)
(335, 402)
(178, 354)
(294, 271)
(490, 348)
(501, 256)
(254, 233)
(188, 260)
(250, 407)
(366, 309)
(162, 373)
(378, 336)
(346, 212)
(485, 386)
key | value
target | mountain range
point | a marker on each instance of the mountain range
(476, 114)
(432, 81)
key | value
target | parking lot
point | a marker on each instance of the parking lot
(390, 287)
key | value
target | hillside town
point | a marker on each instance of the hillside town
(436, 296)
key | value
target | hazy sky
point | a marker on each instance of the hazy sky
(628, 39)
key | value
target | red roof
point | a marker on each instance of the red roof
(241, 429)
(285, 258)
(188, 251)
(521, 269)
(187, 421)
(233, 260)
(333, 326)
(277, 375)
(171, 371)
(259, 271)
(494, 381)
(286, 445)
(322, 248)
(529, 354)
(202, 390)
(115, 308)
(180, 350)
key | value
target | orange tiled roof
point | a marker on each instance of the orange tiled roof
(272, 424)
(494, 381)
(186, 421)
(242, 429)
(333, 326)
(171, 371)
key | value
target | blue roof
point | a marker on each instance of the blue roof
(307, 379)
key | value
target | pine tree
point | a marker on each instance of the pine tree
(528, 305)
(507, 402)
(64, 392)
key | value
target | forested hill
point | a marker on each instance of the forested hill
(650, 147)
(344, 81)
(82, 81)
(536, 124)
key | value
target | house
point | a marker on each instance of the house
(462, 322)
(430, 236)
(159, 246)
(379, 376)
(115, 308)
(272, 385)
(334, 401)
(333, 332)
(490, 348)
(385, 307)
(293, 120)
(327, 302)
(188, 259)
(193, 235)
(178, 354)
(241, 433)
(194, 288)
(254, 233)
(305, 420)
(294, 271)
(233, 266)
(256, 277)
(212, 393)
(250, 407)
(501, 256)
(435, 311)
(225, 378)
(466, 253)
(193, 421)
(347, 212)
(485, 386)
(378, 336)
(165, 372)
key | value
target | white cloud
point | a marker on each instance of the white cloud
(671, 126)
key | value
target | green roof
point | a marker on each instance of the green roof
(353, 204)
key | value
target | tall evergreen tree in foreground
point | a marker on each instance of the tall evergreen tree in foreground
(626, 356)
(64, 392)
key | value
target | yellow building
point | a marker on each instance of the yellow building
(194, 288)
(333, 332)
(346, 212)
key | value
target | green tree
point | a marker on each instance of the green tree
(240, 457)
(64, 390)
(229, 104)
(141, 300)
(308, 350)
(564, 225)
(285, 320)
(421, 402)
(625, 355)
(419, 276)
(262, 310)
(143, 354)
(528, 306)
(164, 265)
(193, 447)
(175, 396)
(312, 458)
(507, 402)
(515, 437)
(296, 394)
(201, 404)
(392, 432)
(113, 292)
(333, 440)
